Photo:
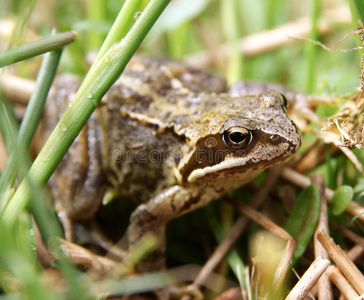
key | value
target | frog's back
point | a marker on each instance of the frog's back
(165, 110)
(139, 119)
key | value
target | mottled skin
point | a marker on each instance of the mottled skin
(161, 137)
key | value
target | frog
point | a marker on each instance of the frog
(171, 138)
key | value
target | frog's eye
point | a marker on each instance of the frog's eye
(237, 137)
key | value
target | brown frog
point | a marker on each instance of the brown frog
(172, 139)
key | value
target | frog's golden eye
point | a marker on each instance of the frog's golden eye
(237, 137)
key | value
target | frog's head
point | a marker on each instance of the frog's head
(247, 137)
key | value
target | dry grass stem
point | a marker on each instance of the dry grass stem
(346, 266)
(236, 229)
(276, 230)
(335, 139)
(248, 284)
(341, 283)
(311, 158)
(210, 43)
(17, 89)
(348, 234)
(345, 128)
(349, 154)
(221, 250)
(230, 294)
(308, 279)
(269, 40)
(355, 252)
(324, 289)
(114, 251)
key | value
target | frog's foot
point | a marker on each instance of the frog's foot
(86, 260)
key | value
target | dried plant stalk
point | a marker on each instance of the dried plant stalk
(324, 290)
(17, 89)
(341, 283)
(237, 229)
(346, 266)
(276, 230)
(271, 39)
(308, 279)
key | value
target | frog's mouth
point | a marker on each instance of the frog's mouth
(211, 156)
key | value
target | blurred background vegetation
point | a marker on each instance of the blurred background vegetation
(188, 27)
(228, 37)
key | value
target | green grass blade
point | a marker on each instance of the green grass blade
(34, 110)
(359, 4)
(26, 10)
(96, 13)
(230, 26)
(18, 153)
(36, 48)
(18, 259)
(9, 131)
(303, 218)
(119, 28)
(95, 85)
(8, 125)
(312, 48)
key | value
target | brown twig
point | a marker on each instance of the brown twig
(324, 289)
(355, 252)
(276, 230)
(269, 40)
(308, 279)
(341, 283)
(346, 266)
(348, 234)
(236, 230)
(17, 89)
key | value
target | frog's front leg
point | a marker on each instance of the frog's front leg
(153, 216)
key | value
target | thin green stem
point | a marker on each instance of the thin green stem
(26, 10)
(119, 28)
(96, 12)
(95, 85)
(311, 48)
(36, 48)
(230, 26)
(8, 127)
(34, 110)
(29, 124)
(359, 4)
(272, 7)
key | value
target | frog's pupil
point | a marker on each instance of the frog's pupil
(237, 137)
